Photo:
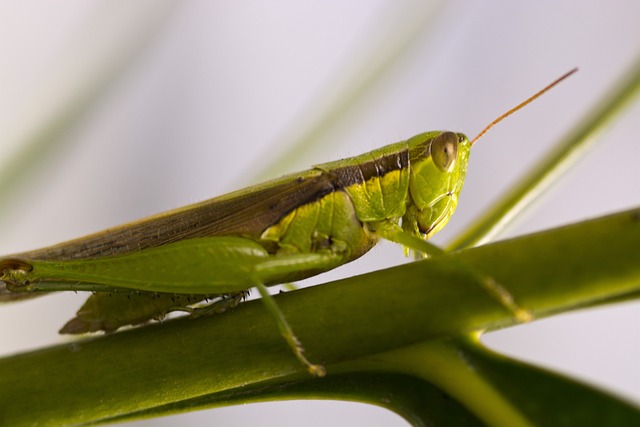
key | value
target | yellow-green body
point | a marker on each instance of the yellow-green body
(283, 230)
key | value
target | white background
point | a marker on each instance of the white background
(220, 88)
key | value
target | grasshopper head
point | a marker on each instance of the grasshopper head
(438, 163)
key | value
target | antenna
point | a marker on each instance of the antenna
(519, 106)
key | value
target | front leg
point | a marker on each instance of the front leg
(394, 233)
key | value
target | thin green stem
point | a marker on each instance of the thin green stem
(442, 364)
(573, 147)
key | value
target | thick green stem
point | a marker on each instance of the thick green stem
(165, 364)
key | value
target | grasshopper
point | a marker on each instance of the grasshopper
(280, 231)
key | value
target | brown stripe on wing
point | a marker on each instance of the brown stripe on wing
(246, 212)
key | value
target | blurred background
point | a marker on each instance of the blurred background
(115, 110)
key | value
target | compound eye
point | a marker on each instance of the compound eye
(444, 151)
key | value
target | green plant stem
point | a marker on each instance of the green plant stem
(145, 368)
(542, 176)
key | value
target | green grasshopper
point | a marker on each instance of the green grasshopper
(283, 230)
